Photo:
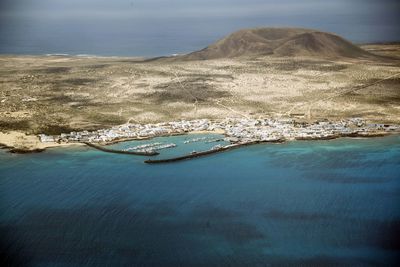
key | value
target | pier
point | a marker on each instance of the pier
(138, 153)
(208, 152)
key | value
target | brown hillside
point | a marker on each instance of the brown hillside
(280, 42)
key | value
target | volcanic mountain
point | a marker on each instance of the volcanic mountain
(288, 42)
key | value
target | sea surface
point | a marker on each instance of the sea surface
(302, 203)
(161, 28)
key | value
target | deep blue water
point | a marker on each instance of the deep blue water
(317, 203)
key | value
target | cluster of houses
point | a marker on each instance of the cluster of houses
(235, 130)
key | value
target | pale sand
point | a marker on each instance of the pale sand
(28, 143)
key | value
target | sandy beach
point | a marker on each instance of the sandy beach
(29, 143)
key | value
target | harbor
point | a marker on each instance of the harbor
(234, 133)
(235, 130)
(152, 149)
(214, 150)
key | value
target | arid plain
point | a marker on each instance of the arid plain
(55, 94)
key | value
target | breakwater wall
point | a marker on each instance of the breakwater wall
(208, 152)
(101, 148)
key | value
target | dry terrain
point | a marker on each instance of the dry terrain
(54, 94)
(285, 42)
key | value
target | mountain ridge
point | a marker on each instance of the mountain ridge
(281, 42)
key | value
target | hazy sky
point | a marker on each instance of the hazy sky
(159, 27)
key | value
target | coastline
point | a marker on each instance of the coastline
(18, 142)
(21, 143)
(239, 145)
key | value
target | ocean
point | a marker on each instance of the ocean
(158, 28)
(301, 203)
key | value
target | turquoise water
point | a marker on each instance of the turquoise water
(330, 203)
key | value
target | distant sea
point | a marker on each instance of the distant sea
(119, 40)
(152, 38)
(303, 203)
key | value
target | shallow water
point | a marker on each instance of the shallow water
(312, 202)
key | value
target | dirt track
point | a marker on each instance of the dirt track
(59, 94)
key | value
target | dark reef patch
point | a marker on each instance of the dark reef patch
(295, 216)
(119, 235)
